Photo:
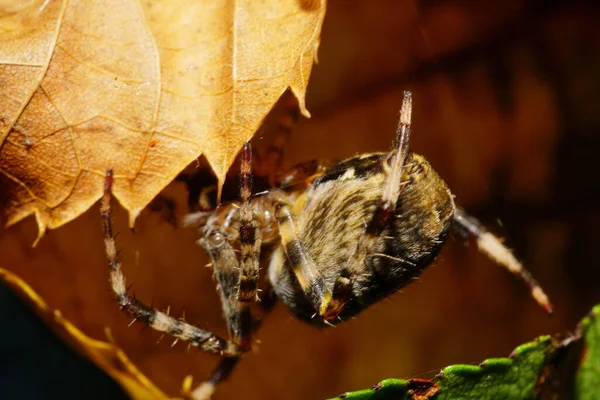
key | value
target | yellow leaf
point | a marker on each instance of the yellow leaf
(142, 87)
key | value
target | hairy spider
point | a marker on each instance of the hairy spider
(349, 235)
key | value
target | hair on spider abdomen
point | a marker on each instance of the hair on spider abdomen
(348, 235)
(339, 204)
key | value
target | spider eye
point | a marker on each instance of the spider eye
(216, 239)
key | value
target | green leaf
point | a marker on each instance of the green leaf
(538, 366)
(499, 378)
(588, 375)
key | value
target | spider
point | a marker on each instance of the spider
(348, 236)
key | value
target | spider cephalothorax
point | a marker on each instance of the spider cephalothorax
(349, 235)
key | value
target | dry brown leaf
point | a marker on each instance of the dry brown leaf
(142, 87)
(106, 355)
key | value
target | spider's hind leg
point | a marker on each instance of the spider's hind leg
(491, 246)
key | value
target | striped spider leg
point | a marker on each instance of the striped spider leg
(157, 320)
(237, 283)
(326, 300)
(492, 246)
(393, 187)
(237, 280)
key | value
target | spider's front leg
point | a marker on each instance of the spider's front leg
(156, 319)
(237, 282)
(249, 233)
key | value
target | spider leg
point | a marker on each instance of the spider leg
(227, 364)
(205, 390)
(165, 207)
(393, 183)
(227, 273)
(202, 189)
(309, 277)
(249, 233)
(271, 160)
(157, 320)
(491, 246)
(304, 173)
(385, 210)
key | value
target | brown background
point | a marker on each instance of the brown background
(506, 107)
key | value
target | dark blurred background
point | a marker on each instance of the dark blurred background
(506, 107)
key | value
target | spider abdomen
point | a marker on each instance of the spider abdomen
(337, 208)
